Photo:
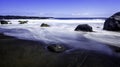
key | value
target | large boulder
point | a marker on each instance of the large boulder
(57, 48)
(113, 23)
(84, 27)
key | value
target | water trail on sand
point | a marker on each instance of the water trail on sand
(70, 38)
(59, 32)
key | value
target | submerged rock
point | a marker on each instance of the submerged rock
(10, 23)
(97, 27)
(56, 48)
(113, 23)
(84, 27)
(45, 25)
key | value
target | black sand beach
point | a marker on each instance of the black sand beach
(26, 53)
(59, 33)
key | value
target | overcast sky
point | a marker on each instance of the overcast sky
(60, 8)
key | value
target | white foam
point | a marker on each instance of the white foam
(60, 21)
(111, 38)
(62, 31)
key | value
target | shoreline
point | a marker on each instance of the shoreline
(21, 53)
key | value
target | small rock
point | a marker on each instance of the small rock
(56, 48)
(84, 27)
(22, 22)
(45, 25)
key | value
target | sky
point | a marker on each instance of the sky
(60, 8)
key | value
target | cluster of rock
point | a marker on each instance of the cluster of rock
(113, 23)
(3, 22)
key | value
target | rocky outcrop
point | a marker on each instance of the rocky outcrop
(56, 48)
(45, 25)
(84, 27)
(113, 23)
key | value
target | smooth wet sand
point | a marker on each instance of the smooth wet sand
(25, 53)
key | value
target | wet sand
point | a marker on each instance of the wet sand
(27, 53)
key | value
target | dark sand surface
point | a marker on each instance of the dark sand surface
(25, 53)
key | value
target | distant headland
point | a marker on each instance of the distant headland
(22, 17)
(36, 17)
(67, 18)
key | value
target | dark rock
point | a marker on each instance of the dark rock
(3, 22)
(22, 22)
(113, 23)
(45, 25)
(118, 50)
(56, 48)
(84, 27)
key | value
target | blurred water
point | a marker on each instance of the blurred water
(62, 31)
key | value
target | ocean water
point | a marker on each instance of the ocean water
(62, 31)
